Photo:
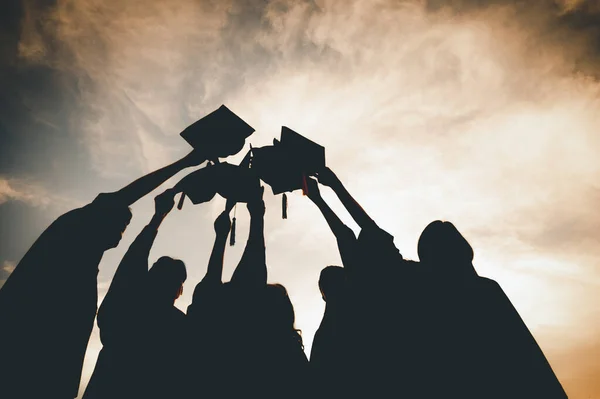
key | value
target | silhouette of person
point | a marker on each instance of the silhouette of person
(142, 333)
(48, 304)
(361, 347)
(374, 251)
(253, 349)
(328, 352)
(207, 317)
(477, 345)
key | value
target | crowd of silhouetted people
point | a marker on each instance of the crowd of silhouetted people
(392, 328)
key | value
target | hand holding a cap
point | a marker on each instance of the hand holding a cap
(164, 202)
(313, 190)
(256, 206)
(327, 177)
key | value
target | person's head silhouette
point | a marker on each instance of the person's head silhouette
(110, 219)
(442, 248)
(166, 278)
(278, 312)
(332, 282)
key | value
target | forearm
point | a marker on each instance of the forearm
(214, 272)
(252, 268)
(352, 206)
(333, 221)
(345, 237)
(144, 185)
(133, 269)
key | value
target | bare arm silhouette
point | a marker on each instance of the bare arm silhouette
(344, 235)
(214, 273)
(328, 178)
(252, 269)
(145, 184)
(127, 286)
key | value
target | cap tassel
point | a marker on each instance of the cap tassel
(284, 207)
(180, 203)
(232, 234)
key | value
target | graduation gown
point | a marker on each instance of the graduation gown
(48, 306)
(475, 345)
(236, 353)
(143, 340)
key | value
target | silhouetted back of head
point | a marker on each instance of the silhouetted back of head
(111, 218)
(166, 278)
(441, 245)
(278, 311)
(332, 282)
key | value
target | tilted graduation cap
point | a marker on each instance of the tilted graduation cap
(232, 182)
(286, 164)
(219, 134)
(200, 186)
(236, 183)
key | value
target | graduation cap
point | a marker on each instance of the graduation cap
(219, 134)
(236, 183)
(199, 186)
(286, 164)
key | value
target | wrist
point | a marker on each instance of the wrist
(221, 236)
(335, 184)
(157, 218)
(317, 200)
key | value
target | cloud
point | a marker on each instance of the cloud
(7, 268)
(32, 194)
(16, 190)
(483, 113)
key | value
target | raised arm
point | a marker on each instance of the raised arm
(142, 186)
(252, 269)
(344, 235)
(328, 178)
(127, 287)
(222, 226)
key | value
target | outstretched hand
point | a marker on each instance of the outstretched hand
(313, 189)
(256, 206)
(163, 203)
(223, 224)
(327, 177)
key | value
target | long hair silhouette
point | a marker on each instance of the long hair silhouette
(278, 313)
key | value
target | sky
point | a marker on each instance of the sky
(483, 113)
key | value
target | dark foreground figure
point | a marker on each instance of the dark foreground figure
(245, 342)
(48, 304)
(142, 332)
(476, 343)
(397, 328)
(392, 328)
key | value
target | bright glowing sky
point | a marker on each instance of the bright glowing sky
(486, 116)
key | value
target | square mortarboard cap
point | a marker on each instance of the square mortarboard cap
(306, 154)
(200, 186)
(286, 163)
(236, 183)
(219, 134)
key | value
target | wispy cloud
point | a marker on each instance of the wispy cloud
(32, 194)
(483, 113)
(7, 268)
